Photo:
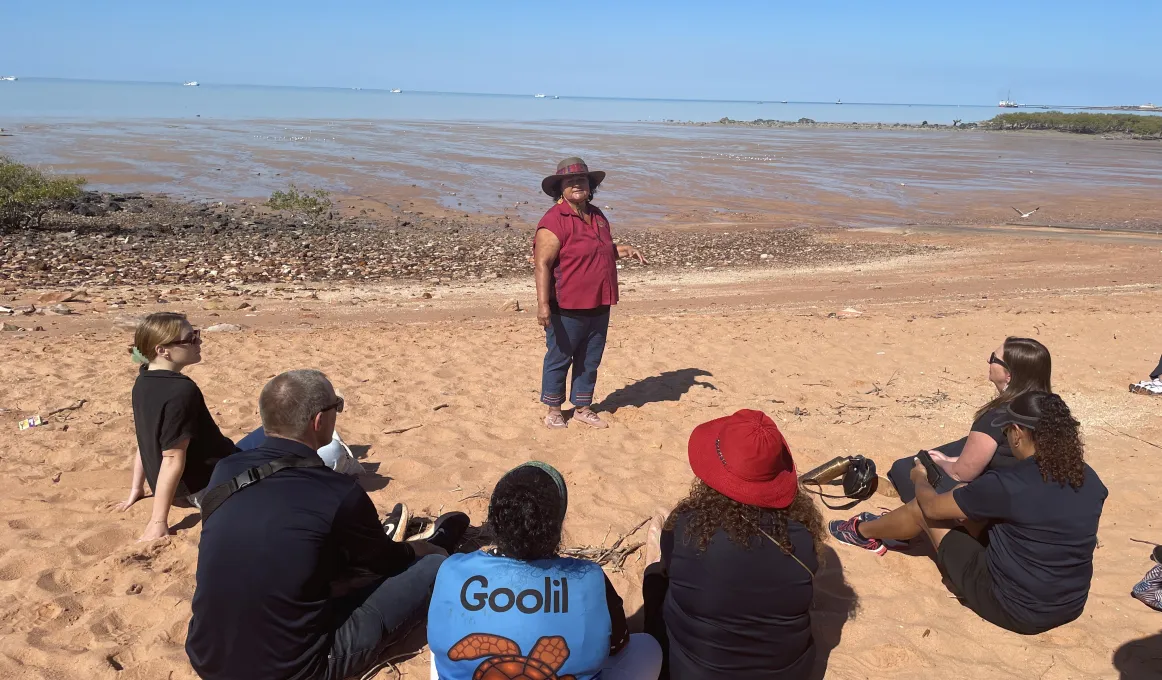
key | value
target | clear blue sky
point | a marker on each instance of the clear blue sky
(1063, 52)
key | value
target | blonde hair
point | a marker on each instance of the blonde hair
(159, 328)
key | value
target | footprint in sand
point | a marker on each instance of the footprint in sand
(12, 571)
(891, 657)
(104, 542)
(53, 581)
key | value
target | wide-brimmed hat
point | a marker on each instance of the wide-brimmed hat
(571, 167)
(745, 458)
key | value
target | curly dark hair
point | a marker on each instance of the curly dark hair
(1060, 452)
(526, 515)
(710, 511)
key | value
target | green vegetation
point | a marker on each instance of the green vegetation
(311, 204)
(1081, 123)
(26, 193)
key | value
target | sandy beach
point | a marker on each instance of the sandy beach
(442, 399)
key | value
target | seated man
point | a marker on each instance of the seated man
(296, 577)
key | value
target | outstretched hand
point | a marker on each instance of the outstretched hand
(631, 252)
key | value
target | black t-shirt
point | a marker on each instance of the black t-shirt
(984, 424)
(1041, 542)
(167, 408)
(270, 561)
(739, 612)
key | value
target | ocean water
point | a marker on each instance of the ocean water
(42, 99)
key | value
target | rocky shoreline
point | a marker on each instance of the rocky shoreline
(136, 239)
(809, 123)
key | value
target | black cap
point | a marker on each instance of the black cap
(1011, 417)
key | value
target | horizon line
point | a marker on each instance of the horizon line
(756, 100)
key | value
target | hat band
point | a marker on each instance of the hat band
(573, 169)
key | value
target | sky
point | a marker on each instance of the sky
(940, 52)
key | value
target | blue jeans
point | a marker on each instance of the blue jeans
(577, 341)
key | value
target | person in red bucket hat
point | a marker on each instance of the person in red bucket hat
(576, 276)
(735, 560)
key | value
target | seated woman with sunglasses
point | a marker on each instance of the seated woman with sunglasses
(1018, 366)
(177, 439)
(1017, 543)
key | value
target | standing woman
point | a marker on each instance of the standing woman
(178, 441)
(576, 275)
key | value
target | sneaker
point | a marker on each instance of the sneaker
(448, 530)
(589, 418)
(845, 532)
(395, 524)
(555, 421)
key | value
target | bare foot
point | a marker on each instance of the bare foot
(654, 539)
(154, 531)
(134, 496)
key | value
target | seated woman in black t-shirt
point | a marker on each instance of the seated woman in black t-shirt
(178, 441)
(730, 595)
(1019, 365)
(1017, 543)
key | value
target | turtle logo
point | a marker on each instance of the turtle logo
(505, 661)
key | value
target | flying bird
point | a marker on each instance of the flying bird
(1027, 214)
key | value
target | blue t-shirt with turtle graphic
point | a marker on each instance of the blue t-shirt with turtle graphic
(546, 618)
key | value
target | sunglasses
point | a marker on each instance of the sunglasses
(999, 362)
(338, 406)
(194, 338)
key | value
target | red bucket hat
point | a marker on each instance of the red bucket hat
(745, 458)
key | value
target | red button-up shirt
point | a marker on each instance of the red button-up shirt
(585, 272)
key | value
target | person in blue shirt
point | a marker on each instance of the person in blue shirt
(519, 609)
(1017, 542)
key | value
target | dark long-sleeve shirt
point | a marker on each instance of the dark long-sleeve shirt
(271, 560)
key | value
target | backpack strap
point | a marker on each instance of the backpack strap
(215, 497)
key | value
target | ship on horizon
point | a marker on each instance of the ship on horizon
(9, 78)
(1008, 103)
(192, 83)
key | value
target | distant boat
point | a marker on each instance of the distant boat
(783, 102)
(539, 96)
(396, 90)
(1008, 103)
(556, 97)
(9, 78)
(838, 101)
(1144, 107)
(192, 83)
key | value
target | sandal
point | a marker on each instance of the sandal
(590, 418)
(555, 421)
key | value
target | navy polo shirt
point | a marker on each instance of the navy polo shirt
(1041, 540)
(271, 559)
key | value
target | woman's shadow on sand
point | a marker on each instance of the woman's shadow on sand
(667, 386)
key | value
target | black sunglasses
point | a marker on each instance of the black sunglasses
(338, 406)
(194, 338)
(999, 362)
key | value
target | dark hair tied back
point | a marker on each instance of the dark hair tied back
(1060, 451)
(525, 515)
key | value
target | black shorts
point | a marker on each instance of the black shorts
(962, 560)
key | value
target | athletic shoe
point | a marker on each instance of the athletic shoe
(396, 522)
(845, 532)
(448, 530)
